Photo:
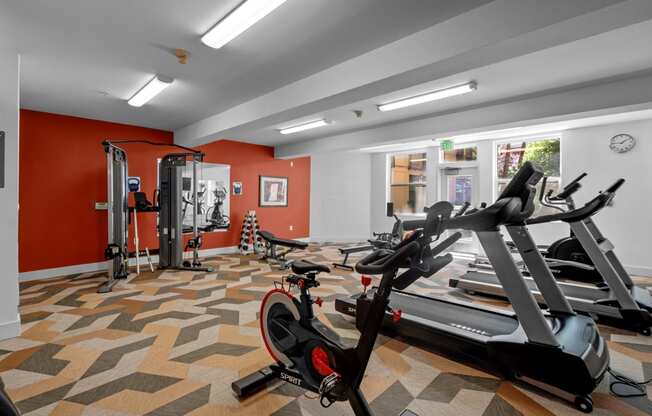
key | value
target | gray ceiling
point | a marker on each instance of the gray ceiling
(85, 57)
(566, 65)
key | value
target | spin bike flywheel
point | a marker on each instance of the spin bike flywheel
(289, 343)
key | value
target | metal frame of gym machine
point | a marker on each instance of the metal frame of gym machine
(620, 302)
(171, 247)
(170, 215)
(117, 252)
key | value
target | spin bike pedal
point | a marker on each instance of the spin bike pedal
(328, 384)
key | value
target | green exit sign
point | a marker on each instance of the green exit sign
(446, 145)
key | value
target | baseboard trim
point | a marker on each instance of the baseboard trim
(642, 271)
(10, 329)
(61, 271)
(101, 266)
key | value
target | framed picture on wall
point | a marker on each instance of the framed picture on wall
(237, 188)
(273, 191)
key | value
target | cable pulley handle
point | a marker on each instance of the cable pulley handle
(613, 188)
(380, 261)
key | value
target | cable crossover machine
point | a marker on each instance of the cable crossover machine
(168, 204)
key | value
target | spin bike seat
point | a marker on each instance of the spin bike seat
(305, 266)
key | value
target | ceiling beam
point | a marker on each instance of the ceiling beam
(618, 95)
(491, 33)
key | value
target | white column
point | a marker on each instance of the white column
(9, 116)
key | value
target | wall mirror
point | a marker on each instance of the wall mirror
(213, 202)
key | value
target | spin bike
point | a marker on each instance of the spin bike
(310, 355)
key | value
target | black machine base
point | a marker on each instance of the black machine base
(510, 358)
(255, 382)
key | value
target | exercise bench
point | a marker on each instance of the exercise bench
(272, 251)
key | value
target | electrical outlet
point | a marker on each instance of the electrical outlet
(291, 227)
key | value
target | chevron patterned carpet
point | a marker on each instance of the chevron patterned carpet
(171, 343)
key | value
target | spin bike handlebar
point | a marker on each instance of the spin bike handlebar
(381, 261)
(410, 225)
(588, 210)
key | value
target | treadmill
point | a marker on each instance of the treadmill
(558, 351)
(617, 301)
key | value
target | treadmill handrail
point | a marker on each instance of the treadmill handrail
(566, 192)
(580, 214)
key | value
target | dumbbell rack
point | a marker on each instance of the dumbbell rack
(249, 234)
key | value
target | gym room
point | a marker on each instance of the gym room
(325, 207)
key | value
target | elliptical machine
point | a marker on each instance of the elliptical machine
(571, 261)
(310, 355)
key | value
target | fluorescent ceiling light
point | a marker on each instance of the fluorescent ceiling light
(150, 90)
(430, 96)
(305, 126)
(394, 147)
(419, 160)
(239, 20)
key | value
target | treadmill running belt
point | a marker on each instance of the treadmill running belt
(488, 323)
(572, 290)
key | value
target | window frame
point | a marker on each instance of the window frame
(526, 139)
(388, 177)
(459, 163)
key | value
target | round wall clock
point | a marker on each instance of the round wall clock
(622, 143)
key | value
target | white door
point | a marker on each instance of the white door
(458, 186)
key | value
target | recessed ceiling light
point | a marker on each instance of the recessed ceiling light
(239, 20)
(150, 90)
(304, 126)
(429, 96)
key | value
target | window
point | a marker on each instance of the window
(464, 154)
(460, 189)
(408, 182)
(542, 152)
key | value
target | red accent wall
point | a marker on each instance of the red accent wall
(62, 173)
(248, 162)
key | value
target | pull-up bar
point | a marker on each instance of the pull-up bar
(143, 141)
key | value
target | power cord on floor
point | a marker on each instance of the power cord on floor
(620, 380)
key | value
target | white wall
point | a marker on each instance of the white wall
(340, 197)
(9, 114)
(628, 223)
